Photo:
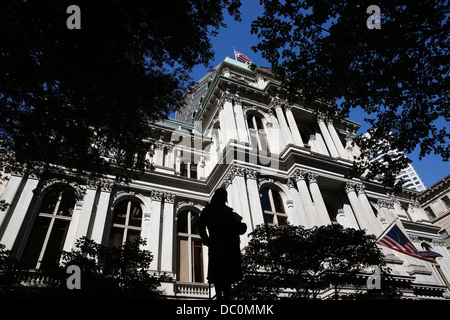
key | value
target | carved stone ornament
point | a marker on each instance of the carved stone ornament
(360, 188)
(169, 197)
(350, 186)
(290, 183)
(321, 117)
(298, 175)
(251, 173)
(156, 195)
(312, 177)
(386, 203)
(80, 190)
(226, 97)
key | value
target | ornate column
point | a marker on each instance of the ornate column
(387, 215)
(253, 197)
(293, 125)
(86, 211)
(159, 154)
(322, 212)
(336, 140)
(170, 158)
(9, 194)
(357, 207)
(276, 104)
(312, 142)
(326, 135)
(371, 218)
(311, 213)
(168, 219)
(299, 215)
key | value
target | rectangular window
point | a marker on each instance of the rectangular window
(55, 243)
(183, 259)
(430, 213)
(197, 260)
(446, 200)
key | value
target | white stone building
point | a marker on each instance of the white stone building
(436, 203)
(279, 163)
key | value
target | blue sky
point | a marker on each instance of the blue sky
(431, 169)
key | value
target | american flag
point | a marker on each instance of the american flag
(395, 239)
(241, 57)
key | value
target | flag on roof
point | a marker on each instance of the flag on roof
(394, 238)
(241, 57)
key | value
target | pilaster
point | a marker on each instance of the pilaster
(98, 229)
(167, 250)
(20, 211)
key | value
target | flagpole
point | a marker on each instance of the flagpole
(234, 51)
(384, 232)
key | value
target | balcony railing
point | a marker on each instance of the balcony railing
(193, 290)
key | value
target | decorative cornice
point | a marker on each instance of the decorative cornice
(385, 203)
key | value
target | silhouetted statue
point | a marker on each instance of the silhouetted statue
(222, 238)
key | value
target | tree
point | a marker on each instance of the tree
(83, 98)
(397, 74)
(305, 262)
(8, 269)
(114, 272)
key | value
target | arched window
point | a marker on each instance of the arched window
(47, 237)
(126, 224)
(258, 136)
(190, 253)
(273, 208)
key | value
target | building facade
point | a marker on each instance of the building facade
(279, 162)
(436, 202)
(411, 178)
